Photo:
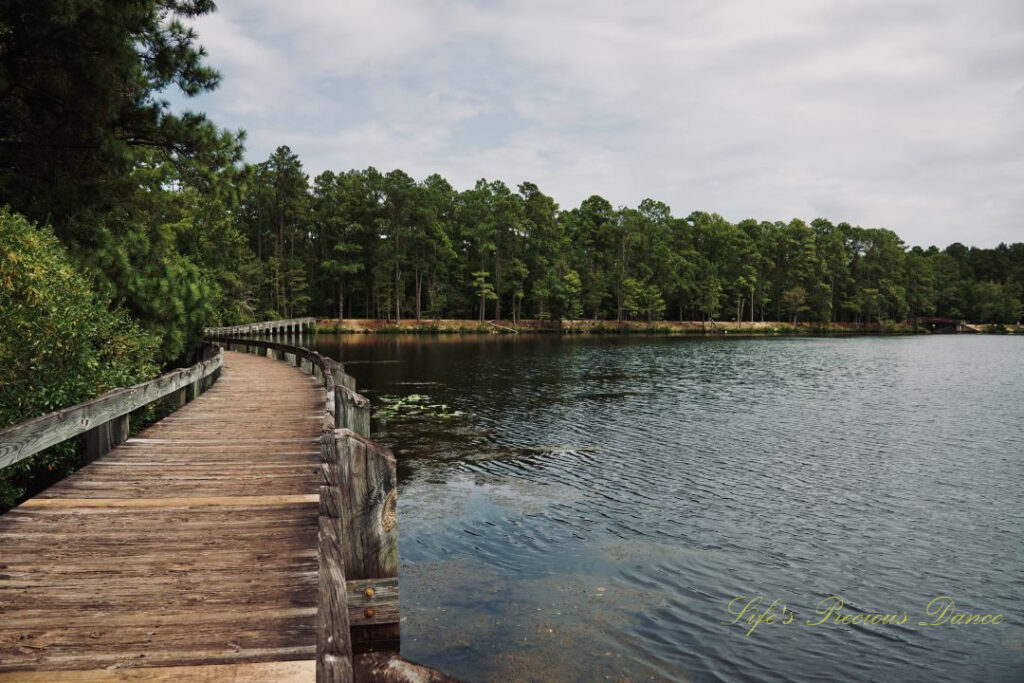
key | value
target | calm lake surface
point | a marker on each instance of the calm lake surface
(588, 508)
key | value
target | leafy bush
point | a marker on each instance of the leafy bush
(60, 345)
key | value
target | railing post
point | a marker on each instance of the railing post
(369, 513)
(352, 411)
(101, 439)
(341, 379)
(369, 527)
(333, 634)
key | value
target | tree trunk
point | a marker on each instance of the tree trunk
(618, 279)
(280, 263)
(432, 293)
(497, 282)
(398, 295)
(419, 292)
(618, 299)
(482, 299)
(835, 304)
(341, 298)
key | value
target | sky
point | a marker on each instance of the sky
(895, 114)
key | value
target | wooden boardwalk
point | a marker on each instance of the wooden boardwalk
(192, 547)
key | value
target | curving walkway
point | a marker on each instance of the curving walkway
(187, 553)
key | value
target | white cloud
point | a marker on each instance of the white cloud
(902, 114)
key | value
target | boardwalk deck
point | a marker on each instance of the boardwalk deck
(187, 553)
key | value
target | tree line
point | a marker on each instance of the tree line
(170, 224)
(362, 243)
(126, 227)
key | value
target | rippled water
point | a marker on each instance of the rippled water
(588, 508)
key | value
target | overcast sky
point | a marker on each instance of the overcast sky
(888, 113)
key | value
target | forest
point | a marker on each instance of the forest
(159, 225)
(127, 225)
(362, 243)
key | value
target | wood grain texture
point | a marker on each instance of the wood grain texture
(353, 410)
(264, 672)
(189, 552)
(24, 439)
(321, 369)
(364, 474)
(333, 635)
(372, 602)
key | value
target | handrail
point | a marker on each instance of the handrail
(358, 534)
(347, 408)
(104, 419)
(265, 327)
(358, 490)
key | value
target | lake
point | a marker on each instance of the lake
(601, 508)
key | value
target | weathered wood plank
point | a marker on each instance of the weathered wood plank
(101, 438)
(254, 568)
(24, 439)
(145, 656)
(342, 379)
(372, 602)
(260, 672)
(364, 472)
(209, 501)
(353, 411)
(334, 645)
(150, 557)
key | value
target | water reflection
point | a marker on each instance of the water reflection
(597, 502)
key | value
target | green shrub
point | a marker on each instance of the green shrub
(59, 345)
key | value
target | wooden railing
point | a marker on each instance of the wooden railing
(358, 530)
(105, 420)
(348, 409)
(269, 327)
(358, 600)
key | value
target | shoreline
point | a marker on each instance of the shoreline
(662, 327)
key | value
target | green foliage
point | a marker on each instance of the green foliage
(79, 95)
(994, 302)
(794, 301)
(385, 246)
(59, 343)
(141, 197)
(484, 289)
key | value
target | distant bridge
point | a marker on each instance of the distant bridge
(272, 328)
(936, 325)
